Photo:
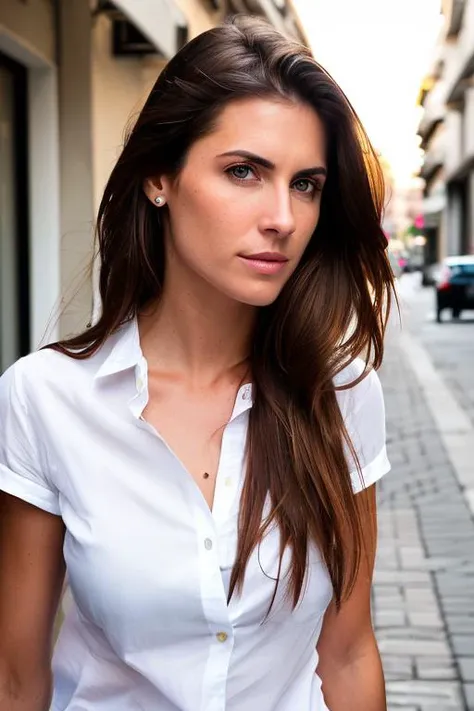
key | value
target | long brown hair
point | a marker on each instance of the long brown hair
(333, 308)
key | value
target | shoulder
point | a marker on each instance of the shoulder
(46, 372)
(353, 394)
(363, 410)
(25, 470)
(16, 381)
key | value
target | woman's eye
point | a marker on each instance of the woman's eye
(241, 172)
(305, 186)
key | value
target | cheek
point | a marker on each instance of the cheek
(194, 222)
(306, 228)
(206, 223)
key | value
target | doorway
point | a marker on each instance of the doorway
(14, 251)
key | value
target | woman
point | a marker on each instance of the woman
(192, 459)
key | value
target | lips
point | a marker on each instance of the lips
(265, 263)
(265, 257)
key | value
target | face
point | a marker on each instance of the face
(247, 201)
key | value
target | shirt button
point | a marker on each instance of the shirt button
(139, 384)
(246, 394)
(221, 636)
(228, 481)
(207, 544)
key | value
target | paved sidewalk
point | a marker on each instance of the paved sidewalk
(451, 345)
(424, 581)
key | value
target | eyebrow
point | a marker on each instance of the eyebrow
(265, 163)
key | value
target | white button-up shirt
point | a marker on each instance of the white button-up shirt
(148, 563)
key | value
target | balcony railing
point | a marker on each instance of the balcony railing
(460, 57)
(454, 11)
(435, 153)
(434, 106)
(462, 80)
(433, 161)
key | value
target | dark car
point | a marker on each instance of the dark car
(455, 286)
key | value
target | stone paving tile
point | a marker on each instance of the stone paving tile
(469, 694)
(425, 694)
(423, 593)
(466, 667)
(436, 668)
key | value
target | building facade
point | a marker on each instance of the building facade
(432, 131)
(72, 76)
(447, 134)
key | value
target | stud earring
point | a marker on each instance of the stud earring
(160, 200)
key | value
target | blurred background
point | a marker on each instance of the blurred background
(74, 74)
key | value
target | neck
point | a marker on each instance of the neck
(196, 331)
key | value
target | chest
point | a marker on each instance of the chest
(192, 425)
(147, 559)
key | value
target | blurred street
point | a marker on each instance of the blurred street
(424, 583)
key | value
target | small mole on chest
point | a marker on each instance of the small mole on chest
(205, 475)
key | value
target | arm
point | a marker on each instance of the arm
(350, 667)
(31, 579)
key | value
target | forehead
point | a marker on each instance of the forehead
(278, 129)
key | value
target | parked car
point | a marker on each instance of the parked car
(455, 286)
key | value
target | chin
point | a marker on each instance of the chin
(261, 297)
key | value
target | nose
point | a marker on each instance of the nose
(279, 218)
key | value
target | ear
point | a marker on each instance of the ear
(152, 187)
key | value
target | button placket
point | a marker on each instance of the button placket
(214, 606)
(230, 470)
(228, 487)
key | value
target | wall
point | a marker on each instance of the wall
(453, 221)
(77, 122)
(453, 123)
(117, 94)
(442, 246)
(77, 213)
(30, 25)
(470, 216)
(199, 15)
(119, 89)
(44, 189)
(461, 50)
(457, 219)
(434, 208)
(121, 85)
(436, 149)
(468, 123)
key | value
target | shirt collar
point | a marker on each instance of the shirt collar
(125, 352)
(243, 402)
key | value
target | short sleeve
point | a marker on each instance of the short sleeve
(363, 410)
(22, 466)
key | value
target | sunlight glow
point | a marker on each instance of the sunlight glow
(378, 51)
